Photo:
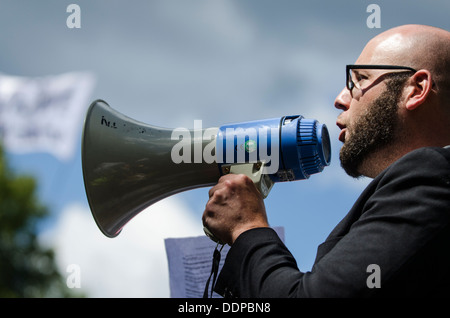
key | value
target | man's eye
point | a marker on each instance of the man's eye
(360, 77)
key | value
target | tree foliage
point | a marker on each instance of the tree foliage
(26, 268)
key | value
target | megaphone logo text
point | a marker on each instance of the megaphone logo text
(246, 145)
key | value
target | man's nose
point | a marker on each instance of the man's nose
(343, 100)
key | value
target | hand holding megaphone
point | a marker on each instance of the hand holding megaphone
(234, 206)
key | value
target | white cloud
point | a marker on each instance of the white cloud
(134, 264)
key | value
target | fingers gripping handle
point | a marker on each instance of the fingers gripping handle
(254, 171)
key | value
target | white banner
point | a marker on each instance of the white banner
(44, 114)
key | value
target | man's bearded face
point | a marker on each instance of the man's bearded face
(372, 131)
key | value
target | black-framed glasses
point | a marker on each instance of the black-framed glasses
(354, 79)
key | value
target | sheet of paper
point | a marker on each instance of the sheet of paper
(190, 261)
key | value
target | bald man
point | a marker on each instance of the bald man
(395, 128)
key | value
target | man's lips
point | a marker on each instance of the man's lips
(343, 131)
(342, 135)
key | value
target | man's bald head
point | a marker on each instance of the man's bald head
(416, 46)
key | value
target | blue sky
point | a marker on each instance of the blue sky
(170, 62)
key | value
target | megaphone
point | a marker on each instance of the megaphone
(129, 165)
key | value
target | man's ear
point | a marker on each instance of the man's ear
(418, 89)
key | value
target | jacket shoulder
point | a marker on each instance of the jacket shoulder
(428, 162)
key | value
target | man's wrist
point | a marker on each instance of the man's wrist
(238, 231)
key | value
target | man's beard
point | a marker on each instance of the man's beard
(373, 130)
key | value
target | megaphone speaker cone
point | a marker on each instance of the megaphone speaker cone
(127, 166)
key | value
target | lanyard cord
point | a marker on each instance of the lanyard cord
(214, 271)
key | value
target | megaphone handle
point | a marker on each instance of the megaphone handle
(254, 171)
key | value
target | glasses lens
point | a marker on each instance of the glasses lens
(357, 78)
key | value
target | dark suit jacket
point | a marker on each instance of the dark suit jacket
(401, 222)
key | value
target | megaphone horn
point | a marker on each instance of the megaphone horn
(129, 165)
